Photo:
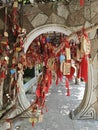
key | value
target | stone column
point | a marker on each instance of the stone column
(88, 109)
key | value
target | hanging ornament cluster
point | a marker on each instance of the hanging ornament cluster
(65, 64)
(83, 53)
(41, 49)
(18, 62)
(43, 85)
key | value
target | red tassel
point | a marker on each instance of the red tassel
(67, 86)
(68, 92)
(84, 68)
(67, 83)
(81, 2)
(33, 124)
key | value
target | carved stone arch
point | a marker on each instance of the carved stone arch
(88, 107)
(23, 101)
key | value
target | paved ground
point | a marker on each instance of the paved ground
(59, 106)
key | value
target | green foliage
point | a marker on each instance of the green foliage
(29, 73)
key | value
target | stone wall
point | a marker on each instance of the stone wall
(73, 15)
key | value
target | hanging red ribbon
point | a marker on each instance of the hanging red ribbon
(81, 2)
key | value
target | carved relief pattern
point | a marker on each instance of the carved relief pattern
(88, 109)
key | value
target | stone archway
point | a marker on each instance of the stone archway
(44, 29)
(88, 107)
